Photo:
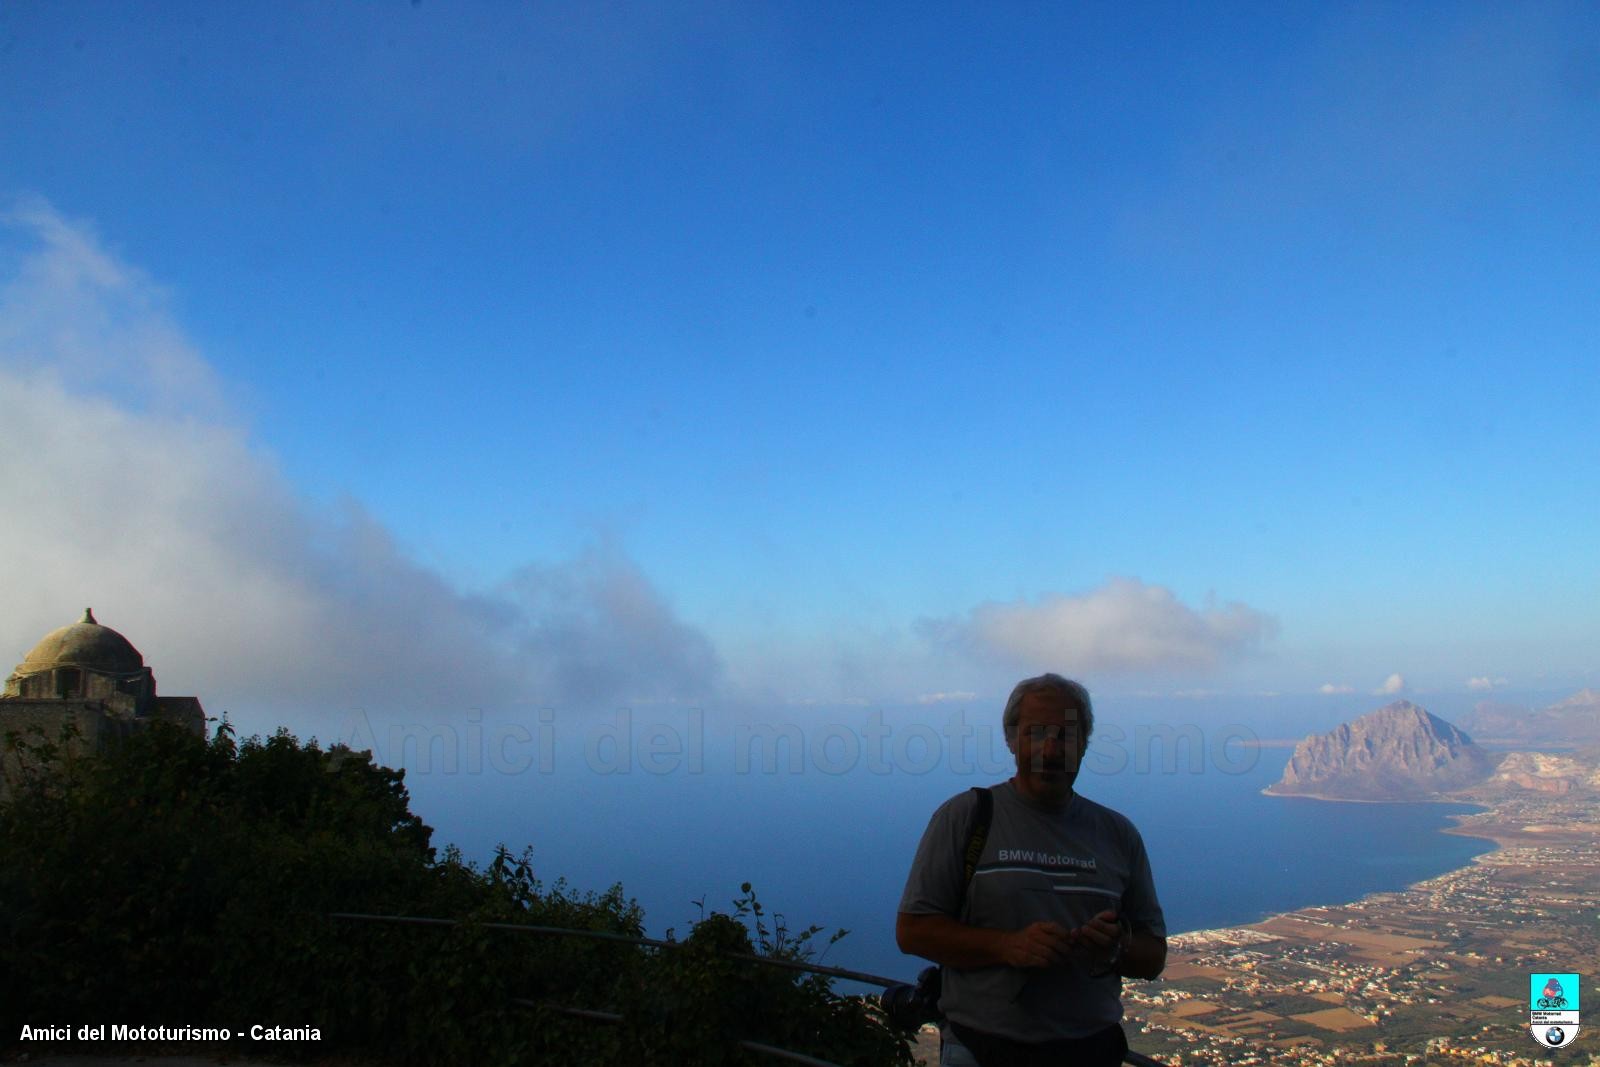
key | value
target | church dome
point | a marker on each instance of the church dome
(84, 644)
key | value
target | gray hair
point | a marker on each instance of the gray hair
(1048, 683)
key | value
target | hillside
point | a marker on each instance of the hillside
(1398, 752)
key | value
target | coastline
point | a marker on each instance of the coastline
(1459, 830)
(1409, 970)
(1427, 798)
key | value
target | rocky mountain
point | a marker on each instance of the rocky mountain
(1573, 721)
(1399, 752)
(1546, 772)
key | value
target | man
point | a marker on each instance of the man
(1060, 907)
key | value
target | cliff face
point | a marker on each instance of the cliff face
(1399, 752)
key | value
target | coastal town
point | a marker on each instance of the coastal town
(1435, 974)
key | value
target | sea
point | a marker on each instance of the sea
(819, 810)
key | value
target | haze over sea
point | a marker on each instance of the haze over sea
(825, 830)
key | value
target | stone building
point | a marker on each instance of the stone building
(92, 677)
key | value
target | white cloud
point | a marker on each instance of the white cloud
(1484, 684)
(127, 485)
(71, 313)
(1330, 689)
(1395, 683)
(1124, 625)
(946, 698)
(596, 624)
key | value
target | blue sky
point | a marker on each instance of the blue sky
(583, 354)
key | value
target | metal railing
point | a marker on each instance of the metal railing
(645, 942)
(612, 1017)
(1137, 1059)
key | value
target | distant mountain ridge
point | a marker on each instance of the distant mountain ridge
(1573, 721)
(1399, 752)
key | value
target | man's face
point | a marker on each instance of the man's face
(1048, 746)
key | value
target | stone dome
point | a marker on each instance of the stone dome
(84, 644)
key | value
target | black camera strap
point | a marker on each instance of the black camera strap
(977, 836)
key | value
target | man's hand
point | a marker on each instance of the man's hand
(1042, 944)
(1141, 955)
(944, 940)
(1101, 937)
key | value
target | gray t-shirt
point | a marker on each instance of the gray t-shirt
(1061, 865)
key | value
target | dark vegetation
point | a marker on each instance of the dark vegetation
(182, 882)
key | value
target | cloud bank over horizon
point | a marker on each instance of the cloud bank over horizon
(134, 488)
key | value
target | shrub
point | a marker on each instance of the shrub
(179, 881)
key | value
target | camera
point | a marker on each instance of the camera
(909, 1006)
